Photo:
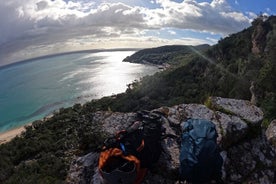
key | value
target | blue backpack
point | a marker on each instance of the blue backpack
(200, 160)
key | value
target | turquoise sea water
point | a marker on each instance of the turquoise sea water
(32, 90)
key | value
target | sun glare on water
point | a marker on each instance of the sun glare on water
(117, 73)
(112, 73)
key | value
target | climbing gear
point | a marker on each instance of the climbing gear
(200, 160)
(116, 168)
(128, 154)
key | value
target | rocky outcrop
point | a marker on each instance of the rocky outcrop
(259, 35)
(241, 108)
(248, 157)
(271, 133)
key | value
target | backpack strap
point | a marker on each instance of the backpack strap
(124, 139)
(145, 115)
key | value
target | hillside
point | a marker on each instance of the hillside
(169, 54)
(228, 69)
(241, 66)
(247, 59)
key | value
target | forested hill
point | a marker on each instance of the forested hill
(241, 65)
(166, 54)
(243, 60)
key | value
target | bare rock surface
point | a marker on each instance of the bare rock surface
(242, 108)
(271, 133)
(247, 158)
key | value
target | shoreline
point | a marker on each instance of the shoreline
(7, 136)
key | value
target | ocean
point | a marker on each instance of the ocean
(32, 90)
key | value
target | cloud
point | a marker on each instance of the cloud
(47, 17)
(212, 40)
(251, 15)
(172, 32)
(28, 25)
(217, 16)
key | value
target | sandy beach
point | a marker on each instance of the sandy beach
(7, 136)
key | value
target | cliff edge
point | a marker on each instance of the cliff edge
(248, 155)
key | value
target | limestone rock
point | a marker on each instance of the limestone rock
(111, 122)
(84, 169)
(245, 159)
(271, 133)
(242, 108)
(196, 111)
(231, 128)
(250, 161)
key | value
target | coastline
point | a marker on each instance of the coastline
(10, 134)
(7, 136)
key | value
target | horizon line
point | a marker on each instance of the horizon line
(65, 53)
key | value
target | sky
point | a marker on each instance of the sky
(32, 28)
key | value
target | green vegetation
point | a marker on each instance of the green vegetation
(170, 54)
(45, 150)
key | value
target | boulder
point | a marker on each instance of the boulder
(242, 108)
(250, 161)
(231, 128)
(271, 133)
(84, 170)
(245, 158)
